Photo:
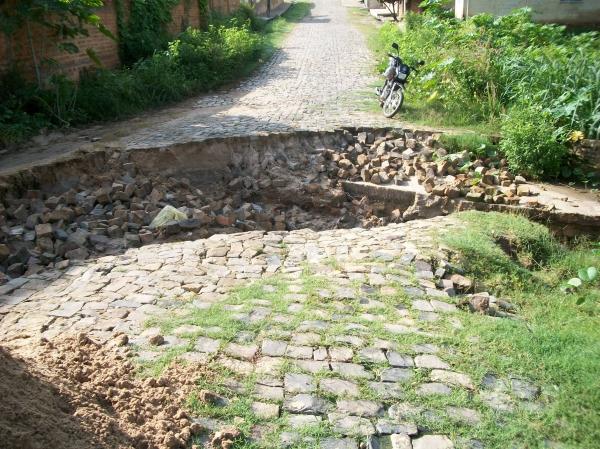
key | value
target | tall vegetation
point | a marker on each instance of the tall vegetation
(501, 70)
(196, 60)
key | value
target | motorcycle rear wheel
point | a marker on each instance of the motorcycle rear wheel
(393, 103)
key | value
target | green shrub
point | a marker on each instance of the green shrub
(474, 143)
(478, 69)
(198, 60)
(530, 143)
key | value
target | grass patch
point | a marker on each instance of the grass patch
(556, 343)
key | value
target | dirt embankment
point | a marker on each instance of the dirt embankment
(76, 394)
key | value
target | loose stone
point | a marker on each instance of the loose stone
(432, 442)
(359, 407)
(306, 404)
(298, 383)
(433, 388)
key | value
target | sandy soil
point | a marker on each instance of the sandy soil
(75, 393)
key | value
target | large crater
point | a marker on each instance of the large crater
(105, 201)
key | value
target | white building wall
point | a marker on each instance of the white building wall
(560, 11)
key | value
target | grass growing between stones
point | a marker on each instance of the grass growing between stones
(555, 343)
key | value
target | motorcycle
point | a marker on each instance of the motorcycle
(391, 95)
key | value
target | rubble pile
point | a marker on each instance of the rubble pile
(124, 208)
(270, 189)
(394, 157)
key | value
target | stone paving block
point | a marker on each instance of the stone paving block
(312, 366)
(452, 378)
(235, 365)
(196, 358)
(359, 407)
(422, 305)
(341, 354)
(441, 306)
(497, 400)
(430, 361)
(68, 309)
(373, 355)
(465, 415)
(268, 393)
(303, 420)
(432, 442)
(273, 348)
(351, 370)
(207, 345)
(299, 352)
(386, 426)
(299, 383)
(398, 360)
(396, 374)
(264, 410)
(320, 353)
(306, 339)
(269, 365)
(387, 390)
(339, 387)
(433, 388)
(350, 425)
(306, 404)
(404, 411)
(524, 389)
(244, 352)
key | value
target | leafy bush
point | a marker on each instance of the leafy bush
(477, 144)
(478, 69)
(529, 142)
(196, 61)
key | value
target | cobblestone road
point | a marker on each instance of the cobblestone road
(310, 83)
(313, 82)
(345, 332)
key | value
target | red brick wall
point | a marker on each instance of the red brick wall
(16, 51)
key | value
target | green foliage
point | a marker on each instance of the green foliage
(478, 69)
(530, 144)
(198, 60)
(66, 20)
(502, 249)
(479, 145)
(146, 28)
(553, 343)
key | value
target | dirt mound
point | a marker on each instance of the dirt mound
(77, 394)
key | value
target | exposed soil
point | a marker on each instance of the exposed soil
(75, 393)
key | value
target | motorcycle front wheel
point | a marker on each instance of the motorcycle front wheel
(393, 103)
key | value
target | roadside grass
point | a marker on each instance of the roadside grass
(555, 343)
(414, 111)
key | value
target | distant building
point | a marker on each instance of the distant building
(403, 6)
(568, 12)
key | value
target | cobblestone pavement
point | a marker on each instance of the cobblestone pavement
(313, 82)
(342, 330)
(310, 83)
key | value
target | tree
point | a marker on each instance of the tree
(393, 6)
